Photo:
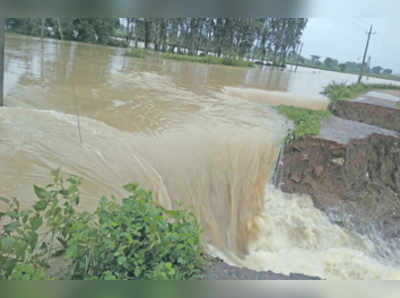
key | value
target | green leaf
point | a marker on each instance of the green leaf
(33, 239)
(41, 193)
(7, 201)
(11, 227)
(109, 276)
(132, 187)
(6, 243)
(172, 213)
(25, 215)
(36, 222)
(138, 271)
(121, 260)
(40, 205)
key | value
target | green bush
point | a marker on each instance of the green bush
(339, 91)
(136, 240)
(22, 252)
(307, 122)
(19, 252)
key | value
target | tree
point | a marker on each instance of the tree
(60, 30)
(236, 37)
(42, 27)
(147, 32)
(279, 37)
(331, 63)
(377, 69)
(387, 71)
(315, 59)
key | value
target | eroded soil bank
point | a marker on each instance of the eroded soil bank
(375, 108)
(352, 171)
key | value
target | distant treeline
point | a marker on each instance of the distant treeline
(268, 38)
(349, 66)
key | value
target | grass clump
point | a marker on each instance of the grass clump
(209, 60)
(117, 43)
(342, 91)
(306, 121)
(137, 53)
(133, 239)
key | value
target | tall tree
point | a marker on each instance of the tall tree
(147, 32)
(42, 27)
(60, 29)
(269, 38)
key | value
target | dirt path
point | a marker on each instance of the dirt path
(342, 131)
(383, 98)
(377, 108)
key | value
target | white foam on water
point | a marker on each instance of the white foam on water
(296, 237)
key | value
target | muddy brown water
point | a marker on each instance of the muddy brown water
(199, 134)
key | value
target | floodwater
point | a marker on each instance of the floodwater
(206, 136)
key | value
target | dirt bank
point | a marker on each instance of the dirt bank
(351, 170)
(222, 271)
(358, 181)
(382, 113)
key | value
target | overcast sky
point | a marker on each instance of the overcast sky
(345, 39)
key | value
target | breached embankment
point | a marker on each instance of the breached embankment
(174, 129)
(352, 170)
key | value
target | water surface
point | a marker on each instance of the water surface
(204, 135)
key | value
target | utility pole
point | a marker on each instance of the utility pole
(298, 57)
(368, 66)
(2, 42)
(365, 54)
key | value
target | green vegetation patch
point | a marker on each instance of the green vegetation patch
(209, 60)
(306, 121)
(137, 53)
(342, 91)
(126, 239)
